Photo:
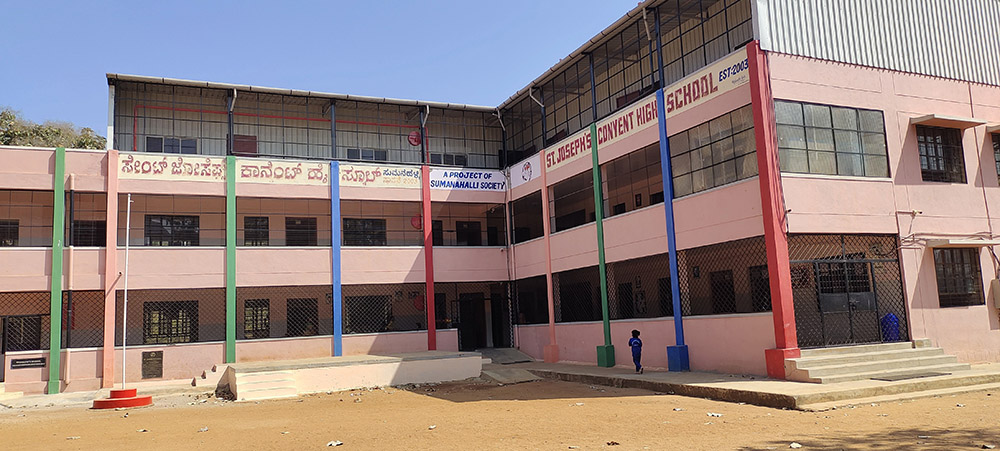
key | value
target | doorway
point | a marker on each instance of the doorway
(472, 326)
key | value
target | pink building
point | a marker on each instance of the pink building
(830, 185)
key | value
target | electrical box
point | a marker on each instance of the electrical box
(995, 292)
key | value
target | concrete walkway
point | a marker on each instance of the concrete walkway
(769, 392)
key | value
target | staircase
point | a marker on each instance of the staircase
(255, 386)
(886, 361)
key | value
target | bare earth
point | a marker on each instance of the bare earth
(478, 415)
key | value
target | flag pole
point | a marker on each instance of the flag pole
(128, 230)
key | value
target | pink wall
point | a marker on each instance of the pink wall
(180, 361)
(470, 264)
(944, 210)
(81, 373)
(25, 269)
(88, 169)
(746, 336)
(382, 265)
(174, 267)
(398, 342)
(529, 258)
(263, 266)
(26, 168)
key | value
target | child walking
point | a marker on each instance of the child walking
(636, 344)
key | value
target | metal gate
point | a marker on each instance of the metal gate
(847, 289)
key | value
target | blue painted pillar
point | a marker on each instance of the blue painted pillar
(677, 355)
(338, 311)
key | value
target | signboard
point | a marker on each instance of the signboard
(725, 75)
(282, 172)
(150, 166)
(632, 120)
(468, 179)
(152, 365)
(375, 176)
(526, 171)
(38, 362)
(570, 149)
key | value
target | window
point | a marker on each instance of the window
(256, 318)
(467, 224)
(89, 233)
(849, 277)
(245, 145)
(382, 223)
(760, 288)
(714, 153)
(823, 139)
(367, 154)
(526, 217)
(172, 230)
(665, 292)
(367, 314)
(9, 232)
(170, 322)
(941, 155)
(572, 202)
(996, 152)
(633, 181)
(22, 333)
(188, 146)
(723, 292)
(256, 231)
(364, 232)
(959, 278)
(300, 231)
(303, 318)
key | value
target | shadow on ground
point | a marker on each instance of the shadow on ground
(911, 438)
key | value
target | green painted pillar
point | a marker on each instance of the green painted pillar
(230, 259)
(58, 233)
(605, 353)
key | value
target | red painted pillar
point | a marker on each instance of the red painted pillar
(773, 212)
(425, 182)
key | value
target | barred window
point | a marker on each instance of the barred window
(532, 300)
(162, 144)
(572, 202)
(632, 181)
(959, 277)
(303, 317)
(256, 231)
(942, 158)
(9, 232)
(824, 139)
(22, 333)
(526, 217)
(168, 322)
(256, 318)
(172, 230)
(760, 288)
(468, 224)
(723, 292)
(89, 233)
(381, 223)
(364, 232)
(300, 231)
(715, 153)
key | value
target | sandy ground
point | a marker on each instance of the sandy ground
(478, 415)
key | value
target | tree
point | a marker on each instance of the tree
(17, 131)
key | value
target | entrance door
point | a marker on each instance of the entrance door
(472, 321)
(852, 297)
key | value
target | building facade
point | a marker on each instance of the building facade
(829, 183)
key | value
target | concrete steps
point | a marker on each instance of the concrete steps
(863, 362)
(264, 385)
(930, 393)
(210, 378)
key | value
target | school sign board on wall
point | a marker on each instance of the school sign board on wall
(151, 166)
(256, 170)
(379, 176)
(525, 171)
(468, 179)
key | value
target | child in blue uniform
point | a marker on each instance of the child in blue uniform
(636, 344)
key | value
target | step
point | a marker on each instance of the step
(948, 368)
(818, 407)
(263, 376)
(243, 386)
(915, 363)
(805, 363)
(865, 389)
(840, 350)
(267, 393)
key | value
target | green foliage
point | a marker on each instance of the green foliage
(17, 131)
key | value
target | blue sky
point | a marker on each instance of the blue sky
(57, 53)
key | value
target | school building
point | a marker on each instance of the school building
(831, 170)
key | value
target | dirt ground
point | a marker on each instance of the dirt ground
(479, 415)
